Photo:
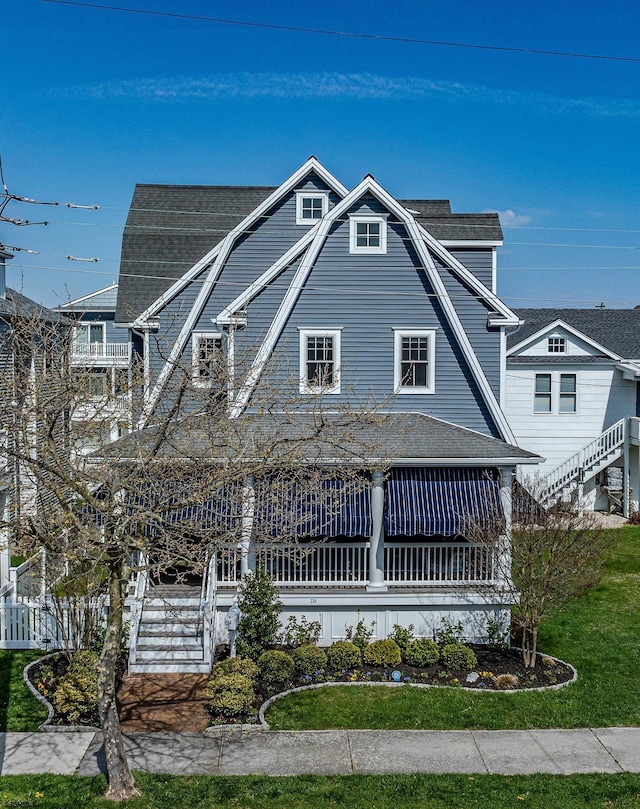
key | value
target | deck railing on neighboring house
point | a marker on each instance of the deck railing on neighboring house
(100, 351)
(347, 564)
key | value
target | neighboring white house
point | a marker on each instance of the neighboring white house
(572, 395)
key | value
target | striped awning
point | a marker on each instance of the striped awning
(441, 501)
(312, 507)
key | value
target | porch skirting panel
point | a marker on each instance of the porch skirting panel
(441, 501)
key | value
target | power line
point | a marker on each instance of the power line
(348, 34)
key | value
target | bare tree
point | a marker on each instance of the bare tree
(166, 497)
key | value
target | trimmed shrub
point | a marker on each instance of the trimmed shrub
(343, 655)
(422, 652)
(236, 665)
(76, 695)
(458, 656)
(382, 653)
(309, 659)
(275, 666)
(230, 695)
(260, 622)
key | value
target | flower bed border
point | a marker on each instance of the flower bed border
(554, 687)
(47, 726)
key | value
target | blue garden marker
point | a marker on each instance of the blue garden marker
(396, 676)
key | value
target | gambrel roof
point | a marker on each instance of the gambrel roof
(617, 330)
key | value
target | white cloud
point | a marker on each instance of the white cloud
(342, 85)
(511, 219)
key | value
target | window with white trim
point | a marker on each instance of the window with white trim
(555, 393)
(414, 367)
(89, 333)
(310, 206)
(319, 361)
(206, 355)
(556, 345)
(367, 234)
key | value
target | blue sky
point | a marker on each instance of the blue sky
(95, 100)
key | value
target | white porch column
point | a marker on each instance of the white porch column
(504, 542)
(376, 541)
(5, 551)
(626, 472)
(247, 559)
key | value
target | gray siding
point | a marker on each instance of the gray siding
(478, 260)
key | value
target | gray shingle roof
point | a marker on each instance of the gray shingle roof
(395, 437)
(170, 227)
(616, 329)
(17, 305)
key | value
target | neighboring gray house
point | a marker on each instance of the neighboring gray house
(340, 296)
(573, 396)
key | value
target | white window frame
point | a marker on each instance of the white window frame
(398, 387)
(556, 394)
(556, 345)
(88, 325)
(302, 195)
(305, 386)
(359, 219)
(197, 380)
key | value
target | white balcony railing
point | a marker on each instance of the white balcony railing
(342, 564)
(100, 351)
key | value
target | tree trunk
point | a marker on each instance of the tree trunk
(529, 646)
(121, 783)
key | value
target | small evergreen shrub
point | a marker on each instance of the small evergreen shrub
(309, 659)
(360, 636)
(301, 633)
(497, 637)
(343, 655)
(76, 695)
(275, 666)
(236, 665)
(260, 606)
(458, 656)
(403, 636)
(230, 695)
(382, 653)
(422, 652)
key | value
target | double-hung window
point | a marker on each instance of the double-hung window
(414, 368)
(320, 361)
(367, 234)
(207, 360)
(555, 393)
(311, 206)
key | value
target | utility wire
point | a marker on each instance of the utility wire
(348, 34)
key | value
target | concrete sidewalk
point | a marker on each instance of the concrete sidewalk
(333, 752)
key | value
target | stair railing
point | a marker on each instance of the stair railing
(137, 605)
(209, 604)
(582, 462)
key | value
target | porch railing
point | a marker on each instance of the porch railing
(95, 351)
(343, 564)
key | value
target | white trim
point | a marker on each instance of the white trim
(323, 196)
(550, 327)
(398, 335)
(367, 219)
(494, 270)
(335, 334)
(86, 297)
(471, 242)
(312, 164)
(197, 380)
(503, 365)
(555, 393)
(87, 324)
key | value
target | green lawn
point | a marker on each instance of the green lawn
(19, 709)
(343, 792)
(598, 634)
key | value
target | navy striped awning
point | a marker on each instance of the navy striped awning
(312, 508)
(441, 501)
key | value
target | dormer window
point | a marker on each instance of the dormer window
(556, 345)
(367, 234)
(311, 206)
(207, 360)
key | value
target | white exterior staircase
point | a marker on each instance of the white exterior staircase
(584, 464)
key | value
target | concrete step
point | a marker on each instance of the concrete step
(162, 630)
(155, 653)
(168, 641)
(171, 604)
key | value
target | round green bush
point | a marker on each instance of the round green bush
(76, 694)
(382, 653)
(458, 656)
(422, 652)
(275, 666)
(236, 665)
(343, 655)
(230, 695)
(309, 659)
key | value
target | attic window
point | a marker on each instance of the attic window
(311, 206)
(556, 345)
(207, 359)
(367, 234)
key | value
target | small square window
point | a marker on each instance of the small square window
(414, 361)
(556, 345)
(367, 234)
(310, 207)
(207, 359)
(542, 395)
(319, 361)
